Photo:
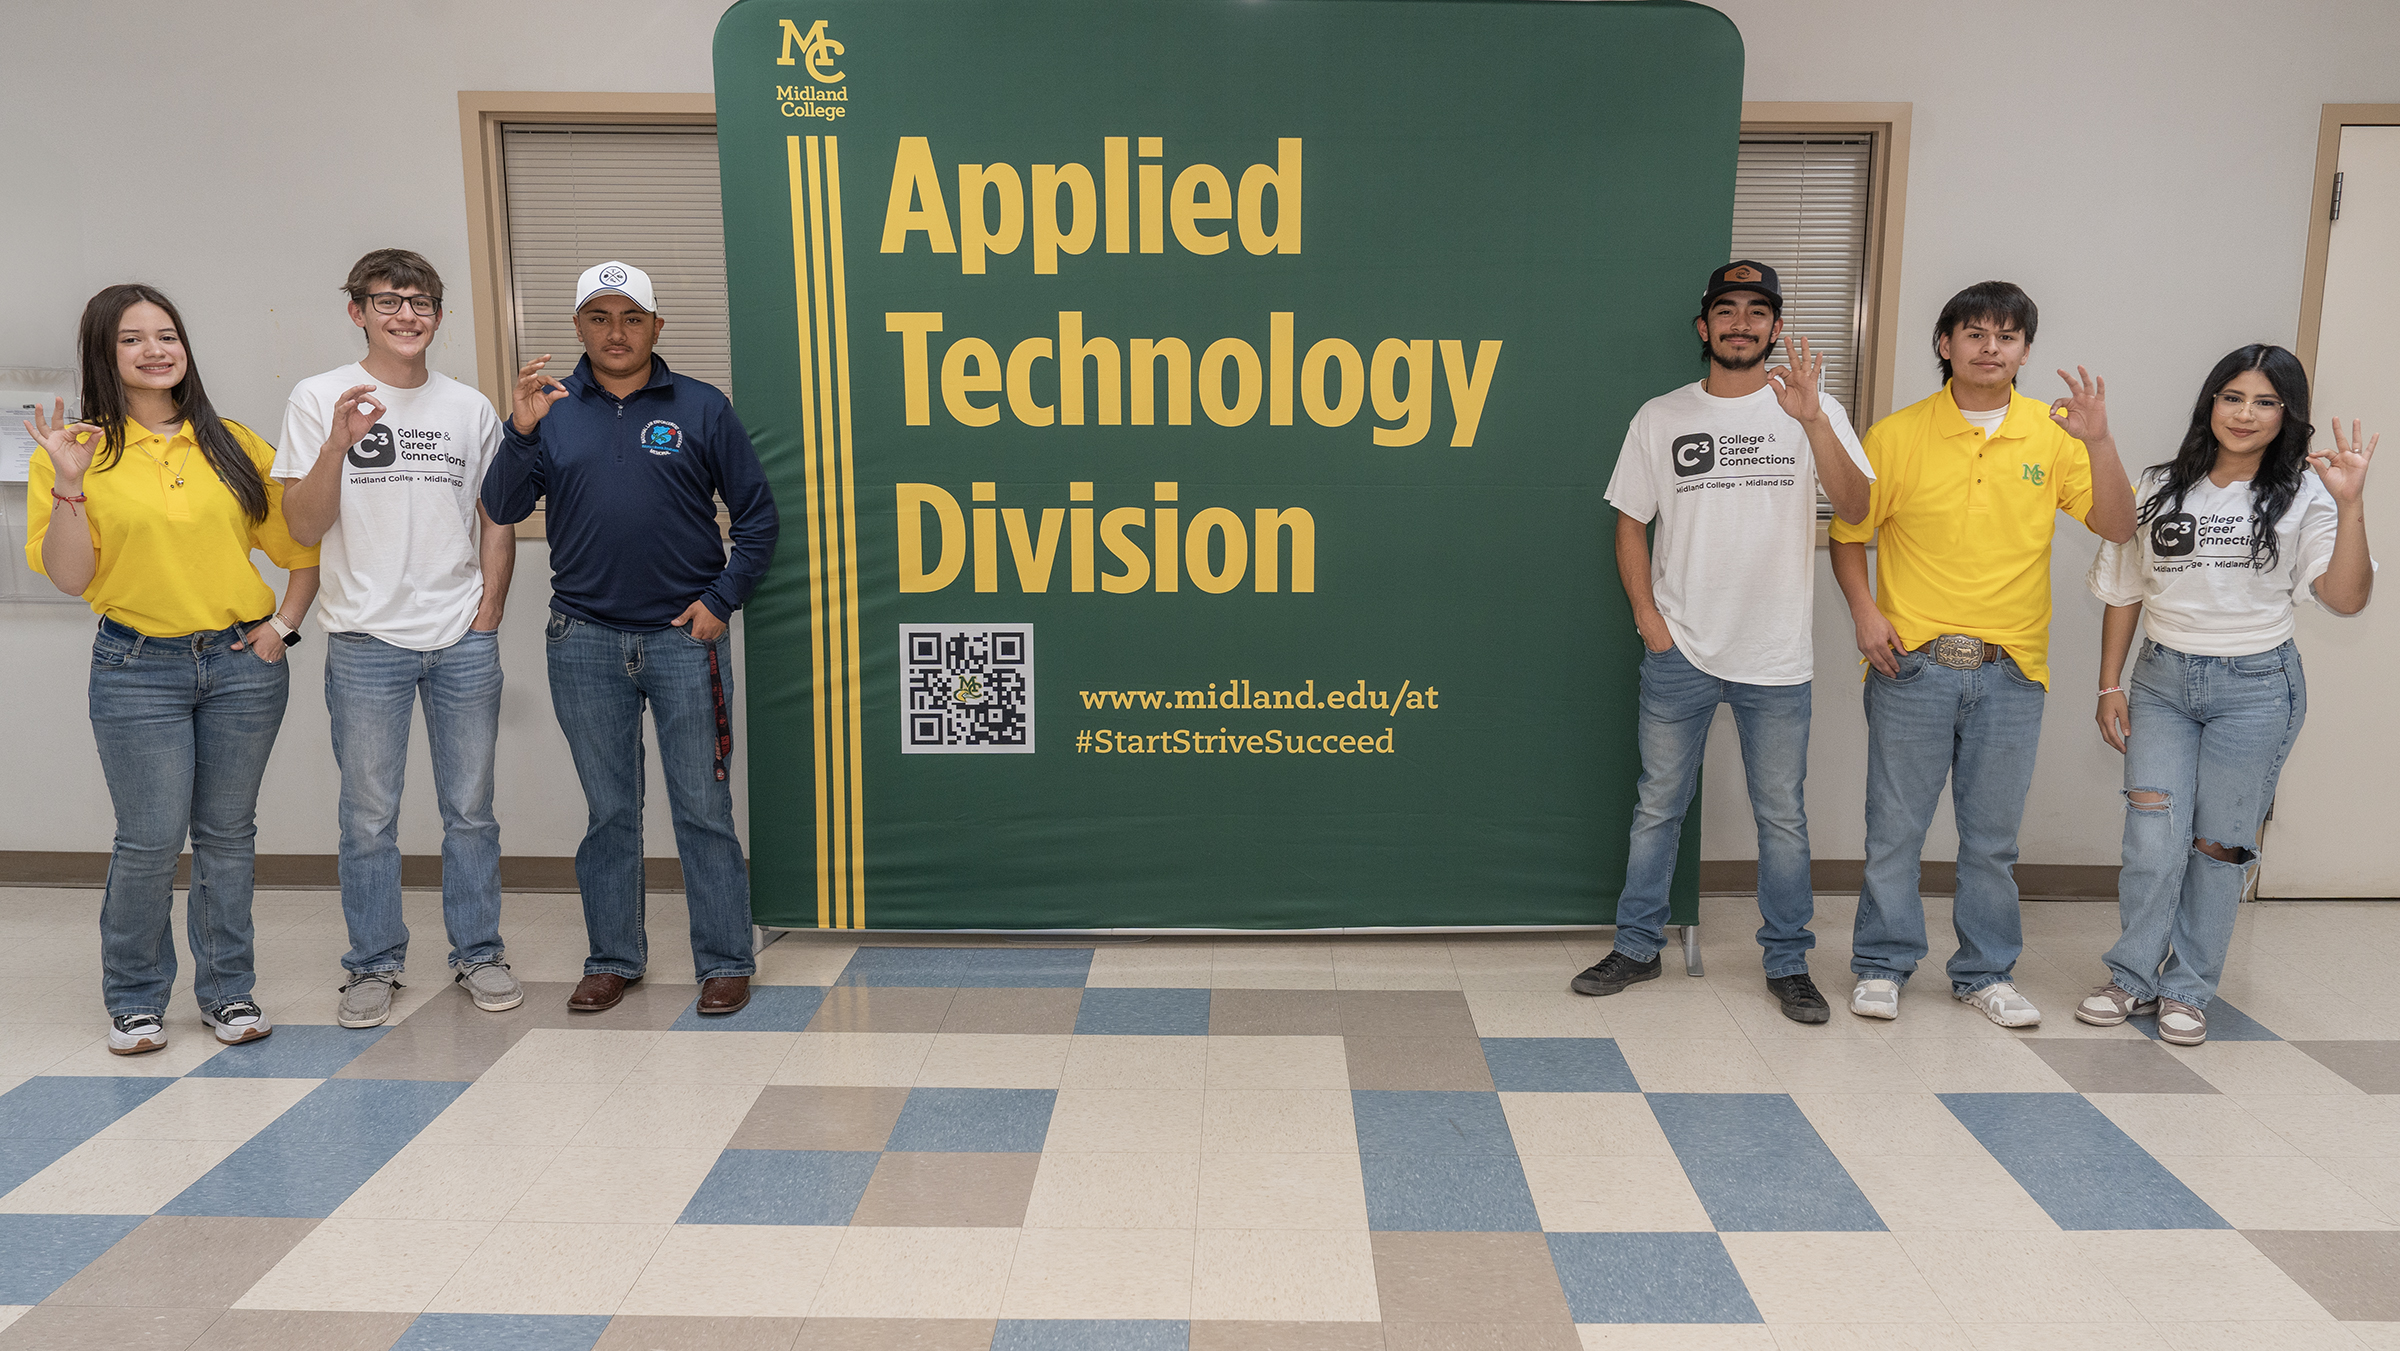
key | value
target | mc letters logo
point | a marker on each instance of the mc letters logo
(375, 450)
(817, 51)
(2174, 535)
(1695, 454)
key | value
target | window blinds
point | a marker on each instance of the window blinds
(1800, 205)
(645, 196)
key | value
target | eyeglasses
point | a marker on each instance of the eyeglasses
(389, 302)
(2232, 402)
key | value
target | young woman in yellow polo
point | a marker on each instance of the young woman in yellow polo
(2243, 525)
(149, 509)
(1956, 632)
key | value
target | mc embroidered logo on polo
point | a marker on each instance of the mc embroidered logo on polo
(662, 438)
(2033, 473)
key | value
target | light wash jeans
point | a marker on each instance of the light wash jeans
(369, 688)
(599, 679)
(1978, 729)
(184, 726)
(2211, 733)
(1678, 702)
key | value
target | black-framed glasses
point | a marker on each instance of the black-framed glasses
(389, 302)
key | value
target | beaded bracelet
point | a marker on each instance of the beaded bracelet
(2113, 689)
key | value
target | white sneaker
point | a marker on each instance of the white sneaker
(135, 1033)
(236, 1021)
(2003, 1005)
(1876, 999)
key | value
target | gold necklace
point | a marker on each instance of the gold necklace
(161, 462)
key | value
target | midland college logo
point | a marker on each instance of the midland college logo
(662, 438)
(2174, 535)
(1695, 454)
(375, 450)
(817, 51)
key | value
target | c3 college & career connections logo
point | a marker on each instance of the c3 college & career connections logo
(813, 51)
(662, 438)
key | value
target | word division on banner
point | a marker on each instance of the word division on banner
(1189, 422)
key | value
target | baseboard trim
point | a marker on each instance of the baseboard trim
(2035, 881)
(319, 872)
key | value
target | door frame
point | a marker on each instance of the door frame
(2330, 122)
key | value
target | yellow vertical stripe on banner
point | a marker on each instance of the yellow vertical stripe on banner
(841, 367)
(837, 665)
(816, 607)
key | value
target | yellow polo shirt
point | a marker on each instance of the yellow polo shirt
(171, 560)
(1963, 525)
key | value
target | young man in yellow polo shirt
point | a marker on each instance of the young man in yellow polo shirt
(1956, 633)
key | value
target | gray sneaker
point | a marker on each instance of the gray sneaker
(367, 999)
(493, 988)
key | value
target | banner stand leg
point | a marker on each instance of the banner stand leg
(1691, 950)
(761, 937)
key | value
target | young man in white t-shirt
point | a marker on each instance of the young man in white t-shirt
(382, 461)
(1724, 598)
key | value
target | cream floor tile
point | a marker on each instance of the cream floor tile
(794, 960)
(1527, 1013)
(10, 1313)
(2245, 1069)
(684, 1116)
(1868, 1065)
(1277, 1063)
(188, 1044)
(1871, 1337)
(1958, 1192)
(612, 1186)
(2190, 1123)
(1971, 1065)
(856, 1059)
(504, 1113)
(1658, 1009)
(916, 1273)
(2378, 1180)
(208, 1109)
(1225, 977)
(1268, 954)
(368, 1265)
(1680, 1065)
(548, 1055)
(535, 1268)
(1135, 1120)
(2015, 1277)
(2276, 1193)
(734, 1271)
(2374, 1336)
(1591, 1125)
(1833, 1278)
(2271, 1336)
(1278, 1121)
(2067, 1337)
(449, 1182)
(1137, 1062)
(1290, 1275)
(1151, 976)
(2196, 1275)
(1115, 1190)
(1676, 1337)
(713, 1058)
(1282, 1191)
(1877, 1125)
(2332, 1127)
(1378, 976)
(1100, 1273)
(1613, 1194)
(994, 1060)
(116, 1177)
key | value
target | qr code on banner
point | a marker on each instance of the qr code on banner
(966, 689)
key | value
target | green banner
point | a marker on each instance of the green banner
(1189, 422)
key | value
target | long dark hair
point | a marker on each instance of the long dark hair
(2277, 481)
(105, 405)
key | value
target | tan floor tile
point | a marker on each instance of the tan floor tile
(585, 1185)
(515, 1113)
(1680, 1065)
(697, 1115)
(917, 1273)
(1481, 1337)
(1046, 1012)
(891, 1334)
(881, 1008)
(1526, 1013)
(1282, 1191)
(868, 1059)
(208, 1109)
(1137, 1062)
(1418, 1064)
(1587, 1124)
(1278, 1121)
(793, 1116)
(1467, 1278)
(449, 1182)
(2266, 1069)
(552, 1268)
(57, 1327)
(2351, 1274)
(1257, 1335)
(1289, 1275)
(713, 1058)
(368, 1265)
(1613, 1194)
(1676, 1337)
(2332, 1127)
(1139, 1120)
(1274, 1013)
(1101, 1273)
(2195, 1275)
(952, 1191)
(1115, 1190)
(2019, 1277)
(2276, 1193)
(1404, 1013)
(647, 1332)
(734, 1271)
(994, 1060)
(547, 1055)
(1968, 1065)
(302, 1330)
(1955, 1192)
(184, 1261)
(1256, 1063)
(116, 1177)
(1833, 1278)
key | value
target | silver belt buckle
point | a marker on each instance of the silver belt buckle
(1958, 652)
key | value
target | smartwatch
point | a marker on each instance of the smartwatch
(289, 633)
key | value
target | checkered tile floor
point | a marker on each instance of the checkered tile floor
(1258, 1143)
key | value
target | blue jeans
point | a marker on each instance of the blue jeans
(599, 679)
(369, 687)
(1678, 702)
(1977, 729)
(2210, 733)
(184, 726)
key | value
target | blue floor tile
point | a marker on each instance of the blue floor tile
(1430, 1122)
(21, 1159)
(1091, 1334)
(1558, 1065)
(973, 1121)
(772, 1008)
(2225, 1023)
(966, 968)
(344, 1111)
(270, 1180)
(1650, 1278)
(1734, 1123)
(782, 1186)
(1759, 1166)
(2077, 1165)
(71, 1107)
(503, 1332)
(39, 1253)
(1143, 1013)
(1447, 1193)
(295, 1051)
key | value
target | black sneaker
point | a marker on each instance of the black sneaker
(1615, 972)
(1801, 1002)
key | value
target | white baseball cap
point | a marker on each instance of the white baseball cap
(623, 278)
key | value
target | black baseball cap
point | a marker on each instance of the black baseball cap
(1743, 275)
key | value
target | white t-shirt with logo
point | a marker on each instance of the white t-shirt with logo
(1733, 486)
(400, 562)
(2191, 573)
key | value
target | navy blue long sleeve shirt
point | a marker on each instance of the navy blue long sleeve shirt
(632, 513)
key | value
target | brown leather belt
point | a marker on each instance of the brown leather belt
(1962, 652)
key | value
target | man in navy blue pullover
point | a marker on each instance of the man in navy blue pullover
(633, 458)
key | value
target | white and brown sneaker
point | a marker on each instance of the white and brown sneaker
(2111, 1005)
(236, 1021)
(2180, 1024)
(136, 1033)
